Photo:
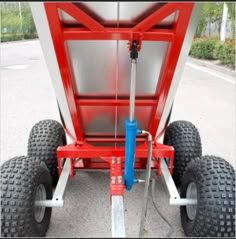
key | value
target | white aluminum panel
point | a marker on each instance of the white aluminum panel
(41, 23)
(180, 65)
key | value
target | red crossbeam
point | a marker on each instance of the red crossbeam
(81, 16)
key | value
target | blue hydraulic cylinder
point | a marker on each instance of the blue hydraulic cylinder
(130, 143)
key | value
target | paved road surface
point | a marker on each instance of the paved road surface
(205, 97)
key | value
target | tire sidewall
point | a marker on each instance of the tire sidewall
(42, 178)
(20, 177)
(215, 181)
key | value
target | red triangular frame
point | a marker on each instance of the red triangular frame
(143, 31)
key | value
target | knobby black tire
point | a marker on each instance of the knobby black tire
(215, 181)
(20, 177)
(185, 139)
(44, 139)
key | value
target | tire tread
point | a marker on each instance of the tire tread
(185, 139)
(44, 138)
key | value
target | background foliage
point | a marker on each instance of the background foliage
(14, 27)
(212, 49)
(211, 15)
(206, 45)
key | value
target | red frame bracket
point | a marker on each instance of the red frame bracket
(116, 177)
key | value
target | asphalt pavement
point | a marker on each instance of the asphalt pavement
(206, 97)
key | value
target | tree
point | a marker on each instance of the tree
(10, 18)
(211, 13)
(231, 13)
(28, 22)
(201, 24)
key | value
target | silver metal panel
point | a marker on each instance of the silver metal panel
(180, 65)
(103, 12)
(94, 66)
(98, 119)
(128, 13)
(132, 13)
(117, 214)
(101, 119)
(149, 64)
(142, 114)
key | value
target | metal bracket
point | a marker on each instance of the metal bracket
(116, 179)
(174, 194)
(58, 197)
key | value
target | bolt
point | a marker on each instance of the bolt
(140, 181)
(113, 179)
(119, 179)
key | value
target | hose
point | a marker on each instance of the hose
(171, 230)
(147, 180)
(146, 187)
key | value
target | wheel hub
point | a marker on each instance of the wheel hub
(191, 194)
(39, 211)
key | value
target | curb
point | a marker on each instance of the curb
(212, 65)
(20, 42)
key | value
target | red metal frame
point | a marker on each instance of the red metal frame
(93, 30)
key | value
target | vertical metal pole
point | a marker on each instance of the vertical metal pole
(132, 90)
(223, 24)
(19, 4)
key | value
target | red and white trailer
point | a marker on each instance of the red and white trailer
(115, 68)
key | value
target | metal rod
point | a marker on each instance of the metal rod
(169, 180)
(182, 202)
(58, 196)
(117, 214)
(49, 203)
(173, 192)
(132, 90)
(61, 185)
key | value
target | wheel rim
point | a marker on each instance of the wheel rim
(40, 211)
(191, 194)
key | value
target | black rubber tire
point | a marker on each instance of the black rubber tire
(20, 177)
(185, 139)
(44, 139)
(215, 182)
